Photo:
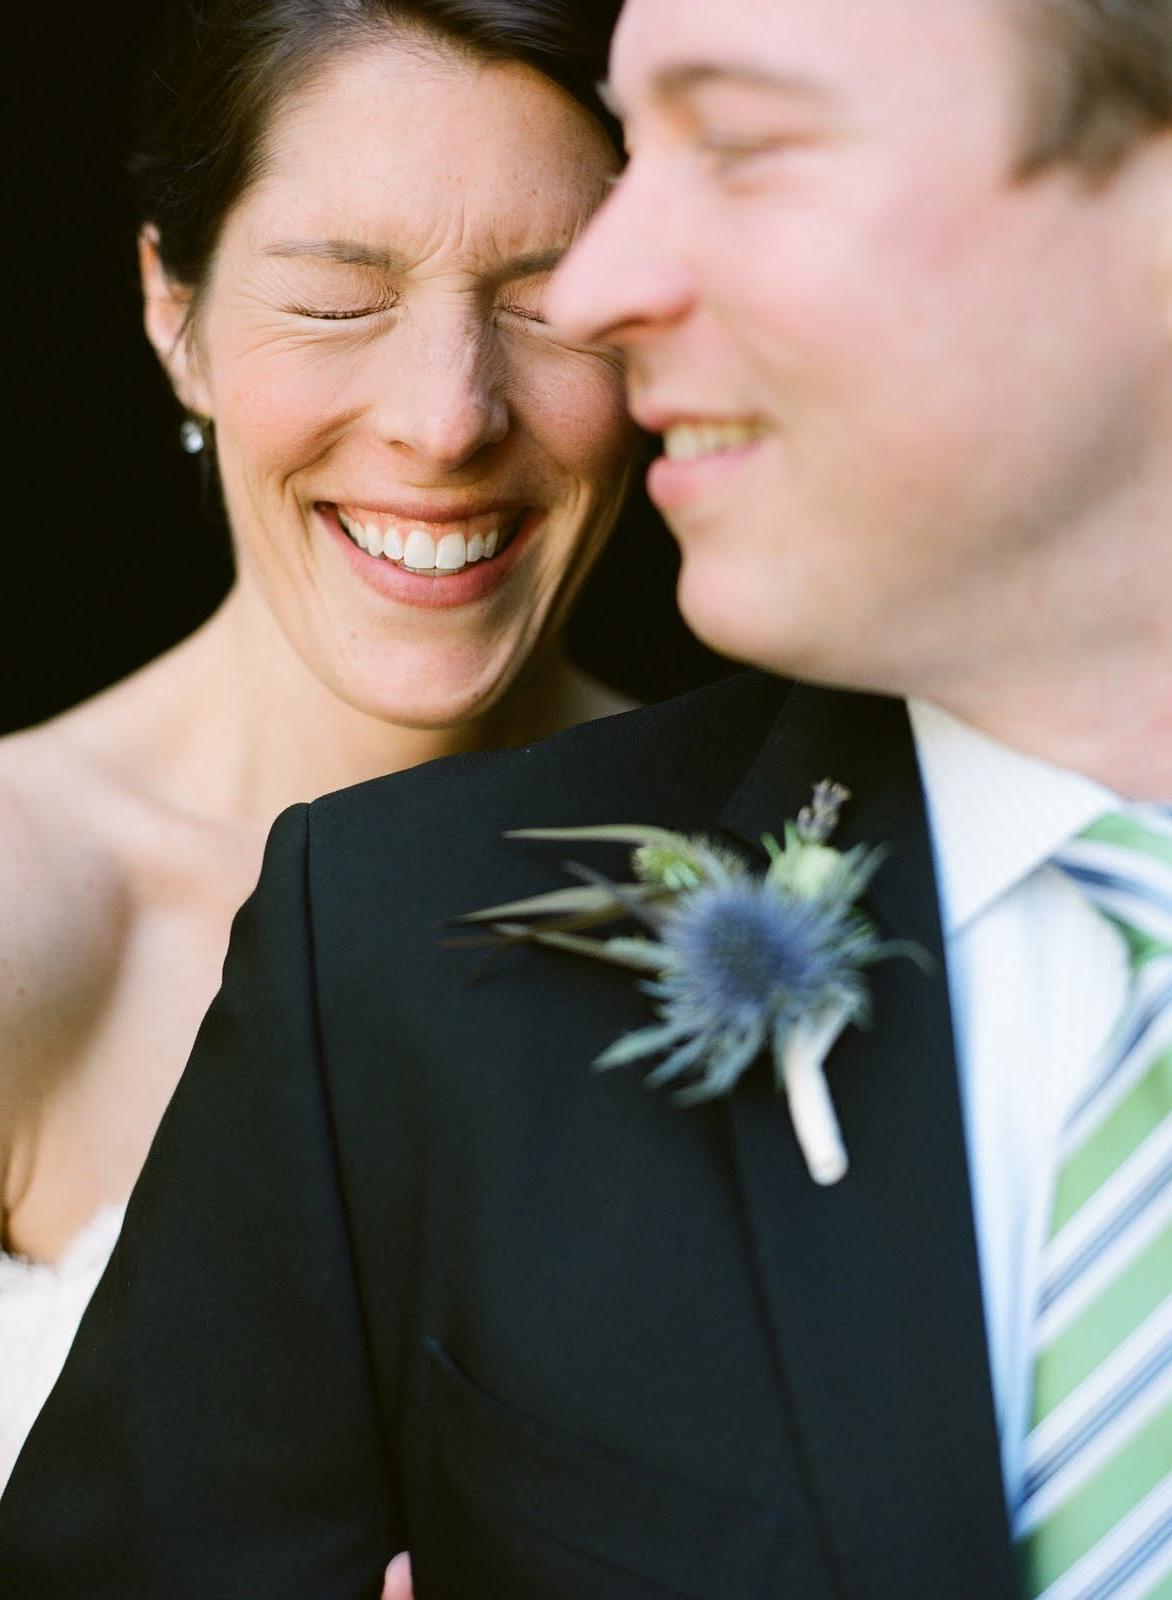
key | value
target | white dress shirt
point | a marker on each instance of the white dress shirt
(1037, 978)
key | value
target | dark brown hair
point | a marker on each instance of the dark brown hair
(224, 67)
(1101, 74)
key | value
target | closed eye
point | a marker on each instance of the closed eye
(727, 151)
(533, 314)
(341, 314)
(525, 298)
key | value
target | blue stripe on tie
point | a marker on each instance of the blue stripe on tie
(1131, 1561)
(1126, 877)
(1134, 888)
(1106, 1237)
(1140, 1026)
(1154, 1367)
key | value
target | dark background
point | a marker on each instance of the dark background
(114, 549)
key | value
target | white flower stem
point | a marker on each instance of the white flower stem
(810, 1106)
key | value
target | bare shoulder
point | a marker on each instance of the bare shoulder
(56, 815)
(63, 888)
(116, 897)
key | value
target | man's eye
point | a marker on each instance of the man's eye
(726, 151)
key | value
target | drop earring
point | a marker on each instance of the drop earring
(193, 435)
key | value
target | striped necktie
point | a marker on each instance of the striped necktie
(1094, 1520)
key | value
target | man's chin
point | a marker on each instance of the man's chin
(785, 653)
(732, 628)
(738, 644)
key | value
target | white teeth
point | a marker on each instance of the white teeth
(419, 551)
(686, 441)
(451, 553)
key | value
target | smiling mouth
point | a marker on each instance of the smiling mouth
(428, 551)
(693, 441)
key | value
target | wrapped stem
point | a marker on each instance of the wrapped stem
(810, 1105)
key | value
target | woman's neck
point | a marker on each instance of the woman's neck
(232, 726)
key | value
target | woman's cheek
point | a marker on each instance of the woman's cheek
(576, 409)
(281, 396)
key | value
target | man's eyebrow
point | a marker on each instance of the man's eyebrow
(683, 78)
(350, 253)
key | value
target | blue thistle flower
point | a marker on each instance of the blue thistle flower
(734, 963)
(740, 965)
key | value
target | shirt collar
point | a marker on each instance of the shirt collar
(996, 815)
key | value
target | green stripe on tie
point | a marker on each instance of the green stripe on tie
(1141, 946)
(1090, 1477)
(1131, 835)
(1103, 1501)
(1109, 1146)
(1126, 1302)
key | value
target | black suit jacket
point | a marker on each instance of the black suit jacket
(402, 1270)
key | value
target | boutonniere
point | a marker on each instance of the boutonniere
(735, 962)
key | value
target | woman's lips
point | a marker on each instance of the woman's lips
(475, 555)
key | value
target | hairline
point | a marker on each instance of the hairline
(411, 33)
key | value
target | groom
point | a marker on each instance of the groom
(895, 283)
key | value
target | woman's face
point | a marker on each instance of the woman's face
(418, 473)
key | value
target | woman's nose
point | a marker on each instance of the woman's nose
(444, 400)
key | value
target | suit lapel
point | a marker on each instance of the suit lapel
(872, 1287)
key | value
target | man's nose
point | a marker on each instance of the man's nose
(624, 277)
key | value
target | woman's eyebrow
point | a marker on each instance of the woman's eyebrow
(536, 261)
(350, 253)
(347, 252)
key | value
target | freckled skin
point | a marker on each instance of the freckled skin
(133, 826)
(451, 386)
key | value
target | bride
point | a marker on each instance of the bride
(350, 208)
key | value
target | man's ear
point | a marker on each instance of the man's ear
(167, 317)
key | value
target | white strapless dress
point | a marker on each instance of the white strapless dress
(40, 1308)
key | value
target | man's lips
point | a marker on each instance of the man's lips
(699, 452)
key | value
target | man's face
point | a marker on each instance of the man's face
(904, 391)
